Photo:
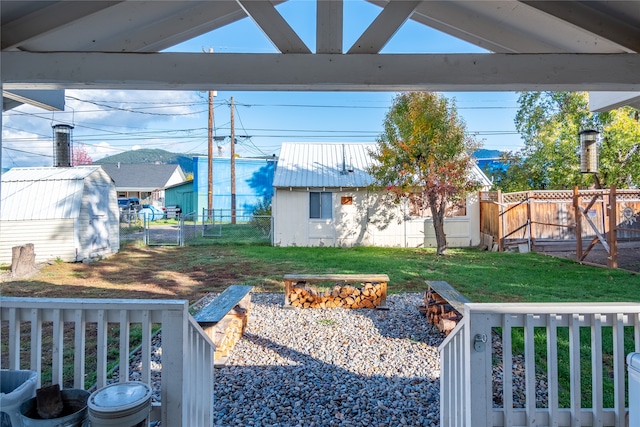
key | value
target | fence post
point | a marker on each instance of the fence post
(174, 365)
(530, 213)
(578, 228)
(500, 222)
(479, 381)
(612, 260)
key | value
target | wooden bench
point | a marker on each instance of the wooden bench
(225, 318)
(372, 294)
(443, 305)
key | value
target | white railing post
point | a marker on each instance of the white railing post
(479, 381)
(79, 343)
(174, 366)
(36, 343)
(619, 369)
(453, 377)
(187, 352)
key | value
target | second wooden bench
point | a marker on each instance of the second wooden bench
(444, 305)
(225, 318)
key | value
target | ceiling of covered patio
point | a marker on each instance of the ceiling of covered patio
(48, 46)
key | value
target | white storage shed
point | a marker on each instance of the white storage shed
(69, 214)
(321, 198)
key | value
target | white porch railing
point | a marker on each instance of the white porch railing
(187, 358)
(600, 330)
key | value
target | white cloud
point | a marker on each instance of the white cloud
(23, 148)
(101, 150)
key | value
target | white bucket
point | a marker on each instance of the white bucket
(126, 404)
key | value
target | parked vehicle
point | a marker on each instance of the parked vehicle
(129, 203)
(151, 213)
(129, 207)
(123, 203)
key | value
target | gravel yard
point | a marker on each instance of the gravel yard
(335, 367)
(332, 367)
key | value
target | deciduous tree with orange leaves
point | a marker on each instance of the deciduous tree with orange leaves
(425, 152)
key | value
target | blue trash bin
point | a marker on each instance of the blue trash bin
(16, 386)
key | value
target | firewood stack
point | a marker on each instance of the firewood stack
(348, 296)
(440, 313)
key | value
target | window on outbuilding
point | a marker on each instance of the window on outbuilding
(320, 205)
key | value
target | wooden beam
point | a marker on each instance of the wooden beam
(587, 16)
(329, 24)
(49, 18)
(595, 230)
(274, 26)
(320, 72)
(52, 100)
(376, 36)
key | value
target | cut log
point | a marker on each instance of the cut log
(447, 325)
(23, 260)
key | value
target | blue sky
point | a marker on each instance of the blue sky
(110, 122)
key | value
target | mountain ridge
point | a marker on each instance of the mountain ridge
(152, 155)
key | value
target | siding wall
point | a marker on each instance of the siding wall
(97, 227)
(254, 183)
(368, 221)
(182, 196)
(53, 238)
(88, 229)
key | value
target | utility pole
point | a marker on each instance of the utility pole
(210, 155)
(233, 166)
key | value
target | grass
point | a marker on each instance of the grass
(191, 272)
(481, 276)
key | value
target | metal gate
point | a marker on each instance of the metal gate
(211, 227)
(161, 235)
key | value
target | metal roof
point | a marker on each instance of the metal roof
(333, 165)
(43, 193)
(317, 165)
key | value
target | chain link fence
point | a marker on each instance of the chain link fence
(217, 227)
(131, 227)
(224, 226)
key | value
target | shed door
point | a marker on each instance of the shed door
(99, 212)
(321, 224)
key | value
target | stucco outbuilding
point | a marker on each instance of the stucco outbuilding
(322, 198)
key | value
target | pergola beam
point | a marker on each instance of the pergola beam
(394, 14)
(320, 72)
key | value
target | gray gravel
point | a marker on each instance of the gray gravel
(332, 367)
(335, 367)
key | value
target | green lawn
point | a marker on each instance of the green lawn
(480, 276)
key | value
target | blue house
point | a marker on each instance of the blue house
(254, 184)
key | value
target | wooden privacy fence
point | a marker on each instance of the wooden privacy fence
(579, 218)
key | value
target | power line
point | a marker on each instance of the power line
(27, 152)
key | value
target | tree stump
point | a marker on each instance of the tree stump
(23, 260)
